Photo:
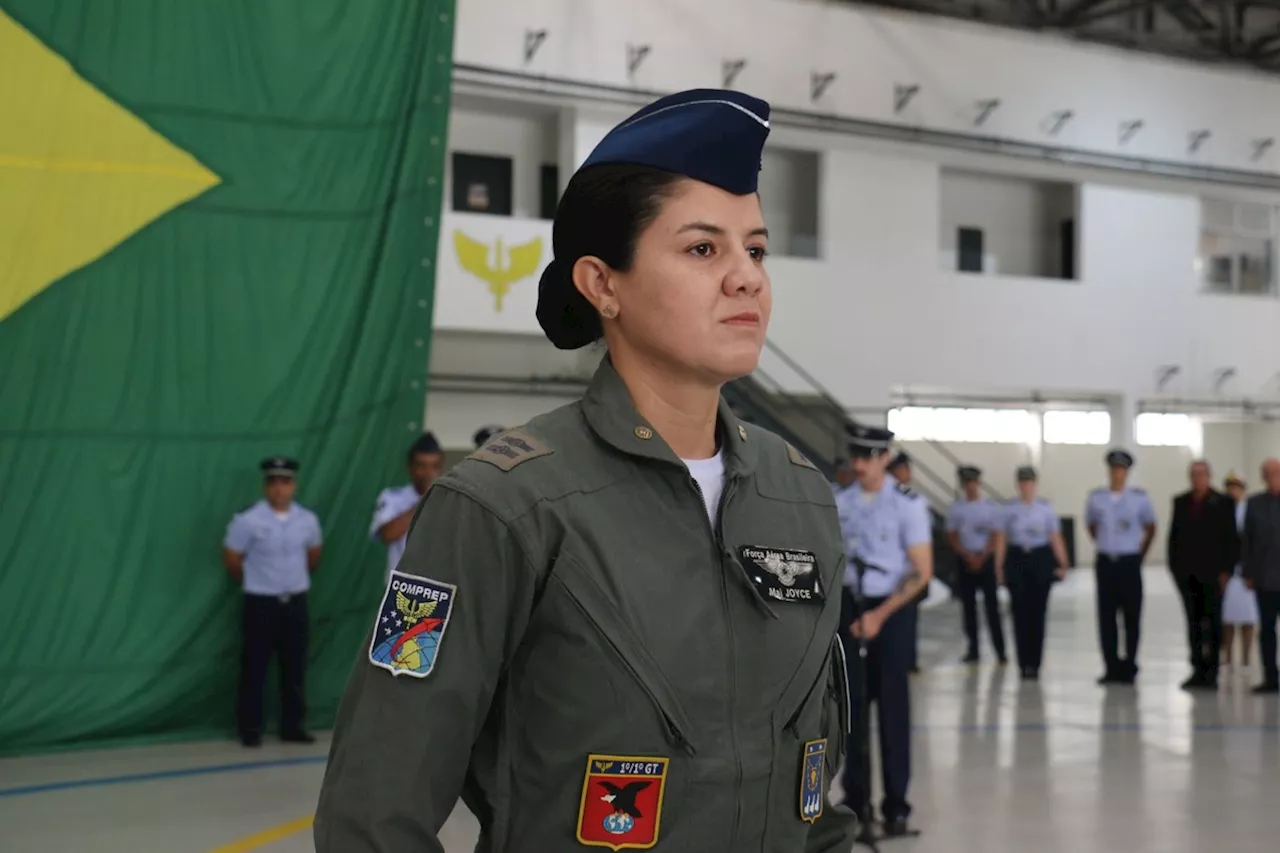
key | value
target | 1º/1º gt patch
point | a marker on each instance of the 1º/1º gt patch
(410, 624)
(622, 802)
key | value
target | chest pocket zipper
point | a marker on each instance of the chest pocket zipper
(672, 715)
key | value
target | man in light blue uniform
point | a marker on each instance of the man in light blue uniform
(271, 549)
(1122, 523)
(972, 525)
(886, 528)
(1030, 554)
(394, 509)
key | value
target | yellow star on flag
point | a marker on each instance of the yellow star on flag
(78, 172)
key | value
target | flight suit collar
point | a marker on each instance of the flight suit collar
(612, 415)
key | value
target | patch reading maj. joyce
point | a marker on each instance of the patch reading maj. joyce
(410, 624)
(783, 574)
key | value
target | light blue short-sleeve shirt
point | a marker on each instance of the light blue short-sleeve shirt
(274, 547)
(391, 504)
(879, 527)
(974, 522)
(1119, 518)
(1029, 525)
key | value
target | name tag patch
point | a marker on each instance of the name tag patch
(621, 804)
(813, 793)
(783, 574)
(410, 624)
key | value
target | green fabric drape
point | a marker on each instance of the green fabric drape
(284, 310)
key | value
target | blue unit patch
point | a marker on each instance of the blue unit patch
(411, 624)
(813, 790)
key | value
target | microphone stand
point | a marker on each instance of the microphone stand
(867, 836)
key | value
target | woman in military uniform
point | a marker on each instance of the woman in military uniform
(1030, 555)
(615, 626)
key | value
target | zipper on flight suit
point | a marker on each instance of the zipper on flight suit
(674, 731)
(717, 542)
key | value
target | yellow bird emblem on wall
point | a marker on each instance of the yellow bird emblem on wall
(411, 610)
(520, 262)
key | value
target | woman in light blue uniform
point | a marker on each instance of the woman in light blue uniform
(1030, 554)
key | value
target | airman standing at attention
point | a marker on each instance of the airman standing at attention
(972, 526)
(396, 505)
(1030, 555)
(1122, 523)
(886, 527)
(272, 548)
(615, 626)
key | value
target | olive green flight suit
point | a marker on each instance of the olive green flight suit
(597, 613)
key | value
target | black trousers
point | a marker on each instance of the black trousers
(886, 678)
(1029, 576)
(273, 624)
(1119, 595)
(1202, 602)
(969, 583)
(1268, 613)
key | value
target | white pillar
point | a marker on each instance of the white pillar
(580, 132)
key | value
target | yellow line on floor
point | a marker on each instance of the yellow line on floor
(266, 836)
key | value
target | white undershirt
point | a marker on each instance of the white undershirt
(709, 473)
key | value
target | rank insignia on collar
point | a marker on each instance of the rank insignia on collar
(410, 624)
(621, 804)
(783, 574)
(813, 790)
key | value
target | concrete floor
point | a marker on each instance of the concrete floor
(999, 765)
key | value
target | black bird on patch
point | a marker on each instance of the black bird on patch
(624, 799)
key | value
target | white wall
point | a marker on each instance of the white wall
(1019, 219)
(876, 313)
(955, 64)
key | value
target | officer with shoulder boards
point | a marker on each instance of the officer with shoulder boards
(1030, 555)
(271, 548)
(886, 529)
(973, 523)
(900, 469)
(615, 626)
(1122, 523)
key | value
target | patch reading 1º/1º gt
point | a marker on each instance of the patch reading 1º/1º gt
(783, 574)
(622, 802)
(410, 624)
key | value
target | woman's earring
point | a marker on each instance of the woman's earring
(609, 311)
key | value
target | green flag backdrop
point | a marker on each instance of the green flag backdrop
(217, 241)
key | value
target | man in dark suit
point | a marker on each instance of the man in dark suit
(1203, 550)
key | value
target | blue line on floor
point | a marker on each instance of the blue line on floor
(205, 770)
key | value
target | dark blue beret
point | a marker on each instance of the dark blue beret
(279, 466)
(1122, 458)
(969, 473)
(1025, 473)
(900, 459)
(715, 136)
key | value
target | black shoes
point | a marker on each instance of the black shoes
(895, 827)
(971, 657)
(1030, 674)
(251, 741)
(1266, 689)
(298, 737)
(1200, 681)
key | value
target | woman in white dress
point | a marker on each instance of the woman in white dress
(1239, 605)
